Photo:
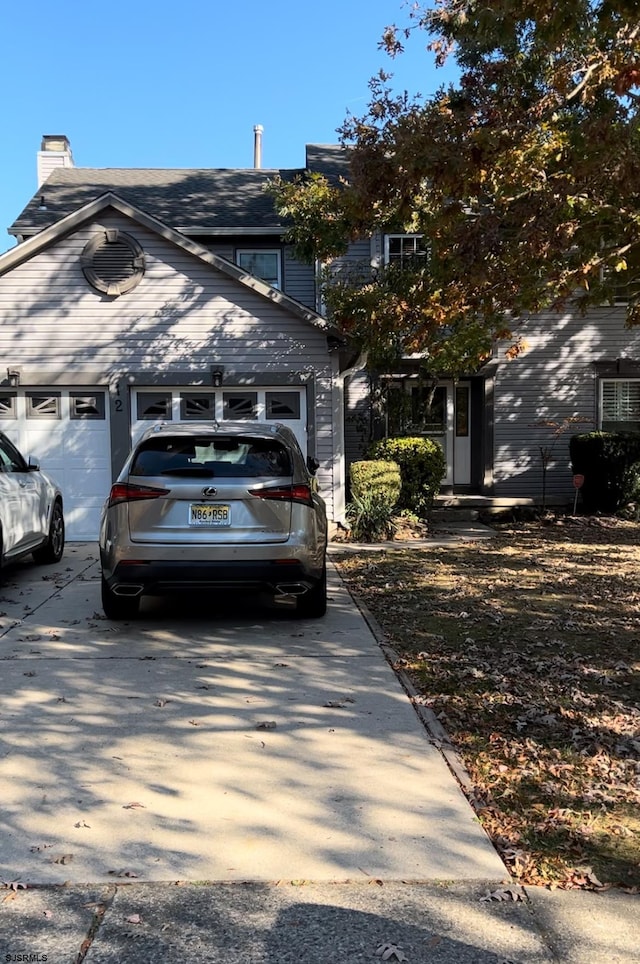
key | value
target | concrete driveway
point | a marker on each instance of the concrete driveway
(195, 745)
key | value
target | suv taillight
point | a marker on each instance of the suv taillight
(285, 493)
(125, 492)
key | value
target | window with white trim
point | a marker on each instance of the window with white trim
(86, 406)
(40, 405)
(620, 404)
(262, 263)
(8, 405)
(282, 405)
(197, 406)
(154, 405)
(404, 249)
(239, 405)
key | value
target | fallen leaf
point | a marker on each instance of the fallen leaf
(62, 859)
(14, 884)
(134, 806)
(502, 895)
(266, 725)
(389, 951)
(133, 919)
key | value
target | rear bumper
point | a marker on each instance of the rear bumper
(160, 577)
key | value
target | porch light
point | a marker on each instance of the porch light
(13, 375)
(217, 372)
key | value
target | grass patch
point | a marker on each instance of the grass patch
(527, 648)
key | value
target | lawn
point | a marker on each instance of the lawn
(527, 649)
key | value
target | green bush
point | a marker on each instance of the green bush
(376, 476)
(422, 467)
(375, 488)
(610, 464)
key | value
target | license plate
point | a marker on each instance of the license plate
(209, 515)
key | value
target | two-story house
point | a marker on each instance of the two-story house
(140, 295)
(136, 295)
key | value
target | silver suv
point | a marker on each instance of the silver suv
(202, 506)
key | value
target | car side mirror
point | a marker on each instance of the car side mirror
(312, 464)
(33, 466)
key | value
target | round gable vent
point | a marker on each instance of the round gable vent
(113, 262)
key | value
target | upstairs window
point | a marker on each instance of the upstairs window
(404, 249)
(620, 404)
(262, 264)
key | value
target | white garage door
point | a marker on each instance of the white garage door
(67, 432)
(266, 404)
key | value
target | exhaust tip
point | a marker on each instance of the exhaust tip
(291, 589)
(127, 590)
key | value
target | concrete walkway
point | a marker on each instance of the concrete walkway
(275, 765)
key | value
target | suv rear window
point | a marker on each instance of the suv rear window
(204, 456)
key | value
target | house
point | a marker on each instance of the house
(150, 294)
(140, 295)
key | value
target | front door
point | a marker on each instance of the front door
(443, 415)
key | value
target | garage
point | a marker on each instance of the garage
(264, 404)
(67, 432)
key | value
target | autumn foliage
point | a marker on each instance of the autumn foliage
(523, 177)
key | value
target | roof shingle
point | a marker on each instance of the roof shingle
(189, 200)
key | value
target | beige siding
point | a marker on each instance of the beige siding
(553, 380)
(183, 315)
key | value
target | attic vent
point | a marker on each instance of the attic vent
(113, 262)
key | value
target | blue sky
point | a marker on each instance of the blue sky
(154, 83)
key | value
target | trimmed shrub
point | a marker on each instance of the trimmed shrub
(610, 463)
(422, 467)
(376, 476)
(375, 487)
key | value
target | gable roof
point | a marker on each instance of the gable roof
(194, 201)
(190, 200)
(54, 232)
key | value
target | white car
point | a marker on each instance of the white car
(31, 509)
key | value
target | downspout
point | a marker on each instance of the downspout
(339, 417)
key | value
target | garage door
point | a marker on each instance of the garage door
(265, 404)
(67, 432)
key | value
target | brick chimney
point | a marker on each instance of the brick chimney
(55, 151)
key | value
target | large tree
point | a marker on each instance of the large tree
(523, 177)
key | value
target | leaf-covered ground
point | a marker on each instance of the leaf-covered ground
(527, 648)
